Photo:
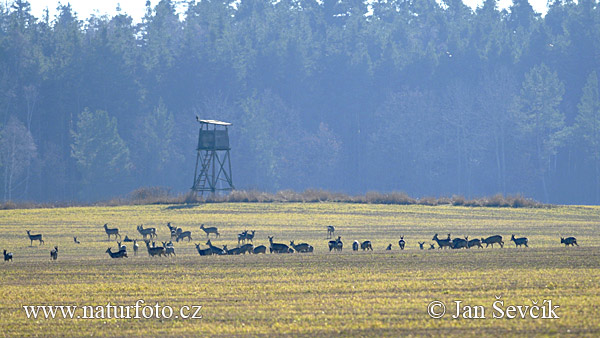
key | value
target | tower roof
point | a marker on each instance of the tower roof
(219, 123)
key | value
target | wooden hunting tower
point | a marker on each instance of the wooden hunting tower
(213, 163)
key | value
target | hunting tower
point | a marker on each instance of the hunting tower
(213, 163)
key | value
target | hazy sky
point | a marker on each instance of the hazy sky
(136, 8)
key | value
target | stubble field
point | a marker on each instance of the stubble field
(379, 293)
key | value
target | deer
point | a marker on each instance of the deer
(330, 231)
(135, 247)
(431, 247)
(153, 251)
(421, 245)
(210, 230)
(459, 243)
(389, 247)
(401, 243)
(121, 247)
(76, 241)
(242, 236)
(260, 249)
(234, 251)
(336, 245)
(8, 256)
(572, 241)
(442, 243)
(496, 239)
(216, 250)
(278, 247)
(203, 252)
(146, 232)
(366, 245)
(118, 254)
(250, 236)
(474, 242)
(127, 239)
(111, 231)
(355, 245)
(183, 235)
(302, 247)
(54, 253)
(248, 247)
(169, 249)
(520, 241)
(32, 238)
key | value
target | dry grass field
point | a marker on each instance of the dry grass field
(379, 293)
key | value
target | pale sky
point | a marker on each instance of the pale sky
(136, 8)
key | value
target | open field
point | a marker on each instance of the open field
(384, 293)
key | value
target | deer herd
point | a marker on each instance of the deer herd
(245, 243)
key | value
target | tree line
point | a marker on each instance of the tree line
(433, 99)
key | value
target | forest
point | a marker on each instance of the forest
(426, 97)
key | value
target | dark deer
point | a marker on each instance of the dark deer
(431, 247)
(421, 245)
(389, 247)
(248, 247)
(216, 250)
(250, 236)
(54, 253)
(183, 235)
(330, 231)
(459, 243)
(8, 256)
(127, 239)
(302, 247)
(519, 241)
(336, 245)
(355, 245)
(242, 237)
(442, 243)
(496, 239)
(210, 230)
(278, 247)
(76, 241)
(169, 249)
(260, 249)
(146, 232)
(111, 231)
(572, 241)
(474, 242)
(401, 243)
(155, 250)
(366, 245)
(37, 237)
(234, 251)
(118, 254)
(204, 252)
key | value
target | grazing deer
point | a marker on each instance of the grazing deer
(355, 245)
(203, 252)
(146, 232)
(442, 243)
(250, 236)
(183, 235)
(76, 241)
(474, 242)
(401, 242)
(8, 256)
(519, 241)
(118, 254)
(336, 245)
(234, 251)
(210, 230)
(54, 253)
(421, 245)
(216, 250)
(155, 250)
(260, 249)
(459, 243)
(248, 247)
(330, 231)
(496, 239)
(302, 247)
(111, 231)
(366, 245)
(127, 239)
(389, 247)
(169, 249)
(135, 247)
(37, 237)
(572, 241)
(242, 236)
(278, 247)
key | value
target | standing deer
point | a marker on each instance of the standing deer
(278, 247)
(54, 253)
(401, 242)
(135, 247)
(496, 239)
(250, 236)
(146, 232)
(336, 245)
(459, 243)
(330, 231)
(519, 241)
(442, 243)
(355, 245)
(474, 242)
(154, 250)
(169, 249)
(242, 236)
(183, 235)
(366, 245)
(8, 256)
(37, 237)
(111, 231)
(210, 230)
(572, 241)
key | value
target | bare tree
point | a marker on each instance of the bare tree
(17, 149)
